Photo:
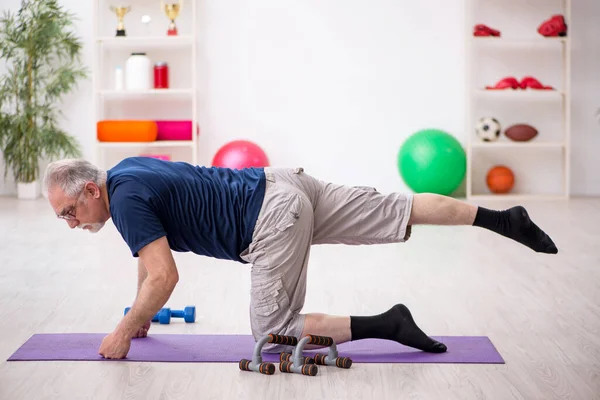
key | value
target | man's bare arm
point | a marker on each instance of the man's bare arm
(154, 290)
(142, 274)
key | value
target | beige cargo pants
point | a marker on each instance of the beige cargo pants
(297, 212)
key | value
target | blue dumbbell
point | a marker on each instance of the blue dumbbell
(165, 314)
(188, 314)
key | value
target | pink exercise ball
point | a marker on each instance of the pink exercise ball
(240, 154)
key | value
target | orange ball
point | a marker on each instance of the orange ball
(500, 179)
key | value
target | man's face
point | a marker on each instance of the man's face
(85, 211)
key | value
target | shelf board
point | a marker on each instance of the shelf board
(158, 143)
(146, 42)
(513, 145)
(516, 197)
(528, 94)
(149, 92)
(519, 42)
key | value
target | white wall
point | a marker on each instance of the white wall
(586, 97)
(337, 86)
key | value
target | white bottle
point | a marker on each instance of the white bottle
(138, 72)
(119, 78)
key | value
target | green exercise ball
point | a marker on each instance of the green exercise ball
(432, 161)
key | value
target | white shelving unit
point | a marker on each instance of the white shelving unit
(150, 42)
(542, 165)
(150, 92)
(178, 102)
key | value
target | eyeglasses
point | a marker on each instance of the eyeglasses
(69, 213)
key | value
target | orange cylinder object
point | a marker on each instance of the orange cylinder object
(127, 131)
(500, 179)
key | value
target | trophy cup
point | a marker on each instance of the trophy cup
(120, 11)
(172, 11)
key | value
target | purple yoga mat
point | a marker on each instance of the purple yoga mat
(233, 348)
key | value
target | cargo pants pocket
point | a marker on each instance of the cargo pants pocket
(290, 213)
(269, 304)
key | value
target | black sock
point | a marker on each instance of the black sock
(395, 324)
(515, 224)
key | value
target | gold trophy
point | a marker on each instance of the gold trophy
(172, 11)
(120, 11)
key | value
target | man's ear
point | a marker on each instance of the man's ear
(92, 189)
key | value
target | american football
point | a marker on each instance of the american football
(521, 132)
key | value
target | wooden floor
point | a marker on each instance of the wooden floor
(541, 312)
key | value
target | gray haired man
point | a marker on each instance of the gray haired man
(267, 217)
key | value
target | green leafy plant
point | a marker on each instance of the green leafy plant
(42, 56)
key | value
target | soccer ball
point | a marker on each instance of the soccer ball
(488, 129)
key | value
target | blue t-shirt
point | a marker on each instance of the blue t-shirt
(208, 211)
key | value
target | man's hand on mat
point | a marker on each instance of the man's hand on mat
(143, 331)
(115, 345)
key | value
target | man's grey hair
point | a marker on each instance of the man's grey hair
(71, 175)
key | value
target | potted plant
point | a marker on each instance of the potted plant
(42, 63)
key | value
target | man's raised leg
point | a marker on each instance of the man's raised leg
(513, 223)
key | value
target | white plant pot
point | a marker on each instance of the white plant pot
(28, 191)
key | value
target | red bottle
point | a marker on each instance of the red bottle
(161, 75)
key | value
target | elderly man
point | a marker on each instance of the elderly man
(267, 217)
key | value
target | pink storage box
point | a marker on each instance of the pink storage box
(164, 157)
(174, 130)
